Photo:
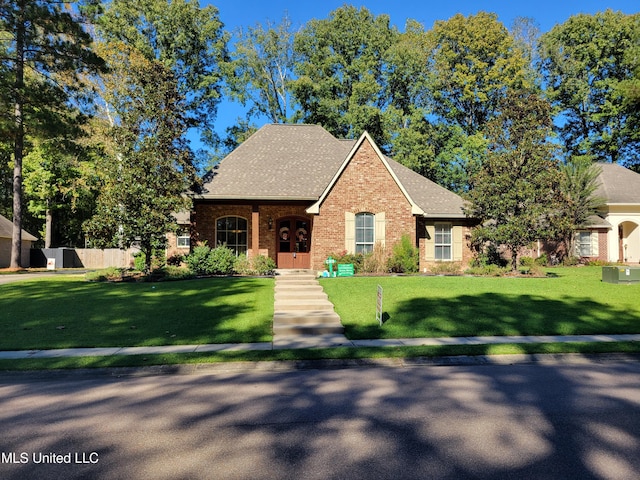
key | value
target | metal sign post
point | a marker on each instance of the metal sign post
(379, 306)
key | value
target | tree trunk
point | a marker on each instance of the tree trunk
(16, 239)
(48, 227)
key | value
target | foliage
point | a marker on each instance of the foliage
(109, 274)
(204, 260)
(405, 256)
(257, 265)
(590, 66)
(376, 260)
(474, 61)
(260, 69)
(263, 265)
(577, 185)
(187, 40)
(357, 259)
(512, 193)
(45, 48)
(446, 268)
(340, 70)
(149, 156)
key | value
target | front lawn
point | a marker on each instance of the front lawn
(569, 301)
(67, 311)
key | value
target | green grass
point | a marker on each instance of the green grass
(65, 312)
(568, 301)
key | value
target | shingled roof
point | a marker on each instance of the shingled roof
(6, 230)
(298, 162)
(618, 185)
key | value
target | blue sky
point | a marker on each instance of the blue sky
(547, 13)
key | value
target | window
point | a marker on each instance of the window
(232, 232)
(443, 245)
(584, 244)
(183, 240)
(365, 228)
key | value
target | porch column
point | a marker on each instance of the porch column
(255, 231)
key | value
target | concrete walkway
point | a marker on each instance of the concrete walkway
(320, 341)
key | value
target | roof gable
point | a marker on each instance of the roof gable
(315, 208)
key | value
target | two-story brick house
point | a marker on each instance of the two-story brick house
(297, 194)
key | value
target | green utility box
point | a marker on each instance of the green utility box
(621, 274)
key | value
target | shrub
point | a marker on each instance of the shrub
(446, 268)
(198, 260)
(376, 260)
(488, 270)
(211, 261)
(526, 261)
(170, 272)
(542, 260)
(222, 260)
(405, 256)
(357, 259)
(109, 274)
(263, 265)
(243, 265)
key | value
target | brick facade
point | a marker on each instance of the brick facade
(365, 186)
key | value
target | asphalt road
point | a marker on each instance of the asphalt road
(576, 420)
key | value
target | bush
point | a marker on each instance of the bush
(446, 268)
(198, 260)
(542, 260)
(357, 259)
(110, 274)
(405, 257)
(488, 270)
(263, 265)
(243, 265)
(211, 261)
(259, 265)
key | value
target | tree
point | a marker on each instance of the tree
(261, 69)
(340, 73)
(512, 193)
(587, 63)
(148, 165)
(577, 201)
(44, 41)
(185, 38)
(474, 62)
(165, 80)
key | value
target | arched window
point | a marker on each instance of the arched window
(365, 232)
(232, 232)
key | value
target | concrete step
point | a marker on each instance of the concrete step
(303, 317)
(302, 304)
(291, 287)
(289, 280)
(307, 329)
(301, 295)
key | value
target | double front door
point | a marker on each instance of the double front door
(293, 242)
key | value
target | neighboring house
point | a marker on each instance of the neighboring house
(6, 234)
(179, 243)
(614, 234)
(297, 194)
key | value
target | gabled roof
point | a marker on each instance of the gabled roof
(6, 230)
(278, 162)
(301, 162)
(618, 185)
(415, 209)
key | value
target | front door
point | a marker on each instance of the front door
(293, 242)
